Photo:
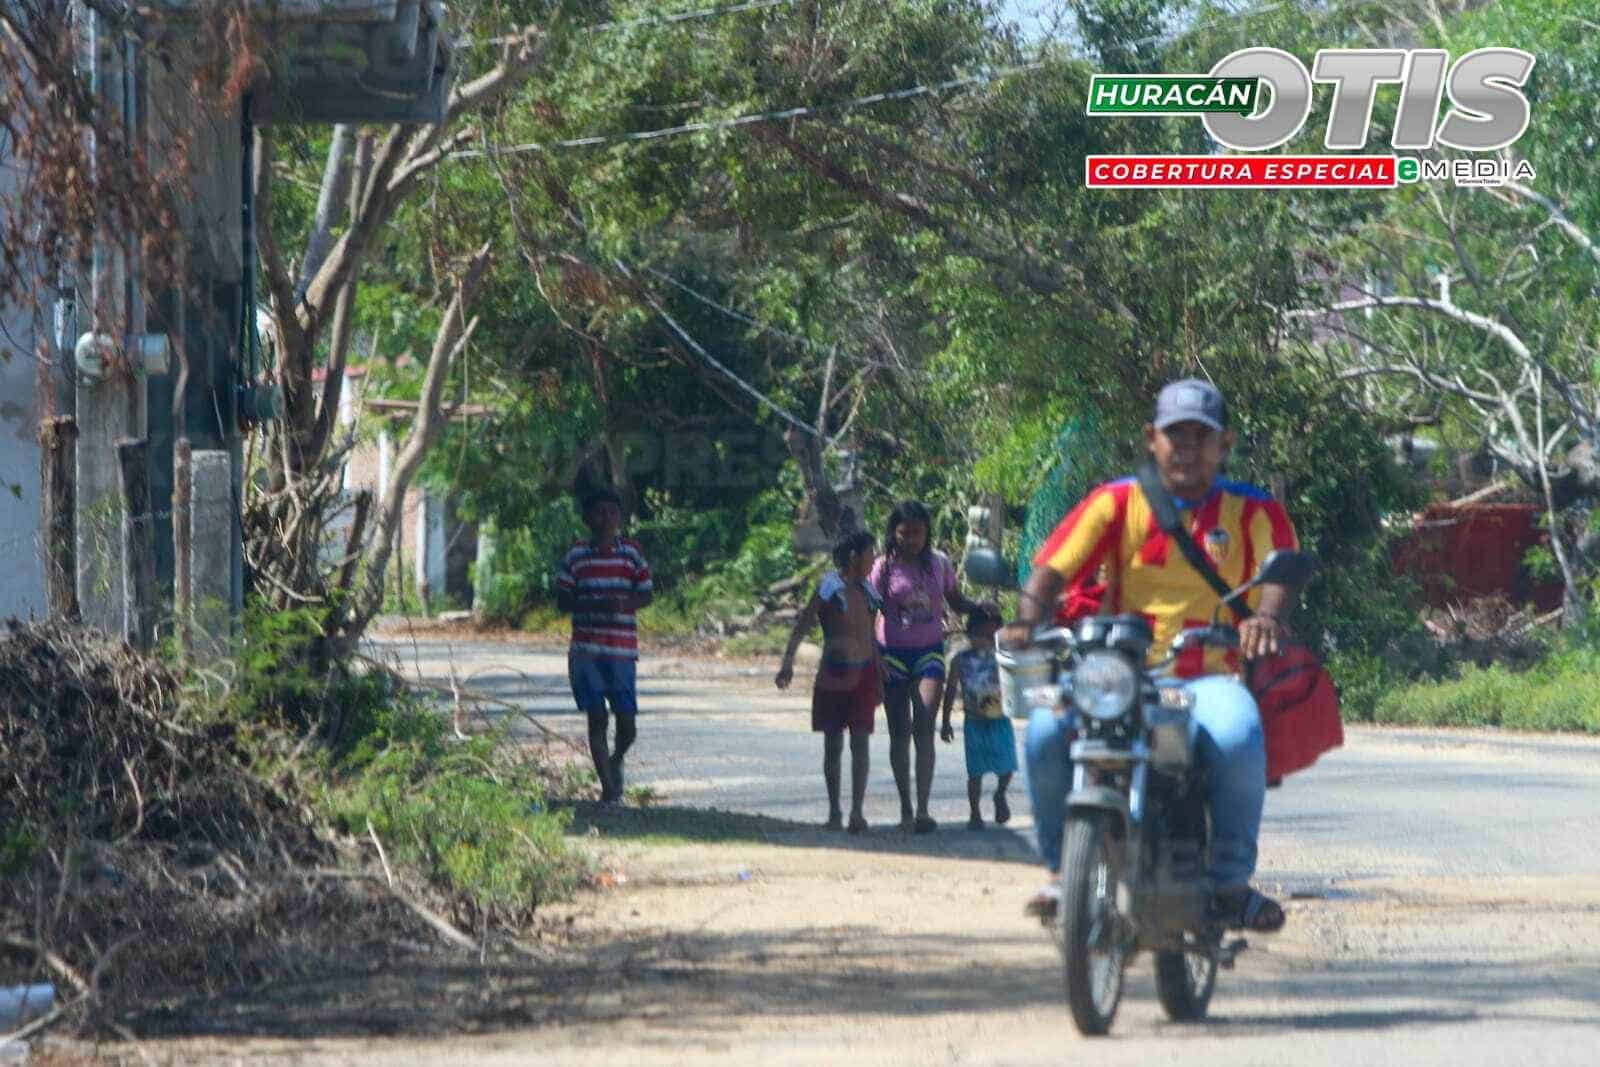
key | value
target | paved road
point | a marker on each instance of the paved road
(1448, 884)
(1393, 803)
(738, 744)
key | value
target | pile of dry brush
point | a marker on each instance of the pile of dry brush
(145, 859)
(1488, 630)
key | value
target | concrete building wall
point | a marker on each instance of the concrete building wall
(22, 587)
(23, 340)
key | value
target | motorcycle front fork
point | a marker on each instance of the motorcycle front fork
(1215, 941)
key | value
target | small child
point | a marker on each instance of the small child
(990, 741)
(849, 684)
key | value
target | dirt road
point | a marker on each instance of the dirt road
(1445, 910)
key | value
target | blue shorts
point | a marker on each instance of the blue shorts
(991, 746)
(904, 664)
(599, 680)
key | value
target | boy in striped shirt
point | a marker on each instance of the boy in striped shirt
(602, 583)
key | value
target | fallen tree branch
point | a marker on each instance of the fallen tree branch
(440, 924)
(1483, 494)
(51, 960)
(383, 859)
(43, 1022)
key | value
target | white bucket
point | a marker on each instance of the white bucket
(19, 1003)
(1027, 681)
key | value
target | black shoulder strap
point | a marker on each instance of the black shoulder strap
(1166, 512)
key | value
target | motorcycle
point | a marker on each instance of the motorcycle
(1137, 842)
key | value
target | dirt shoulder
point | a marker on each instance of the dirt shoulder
(786, 946)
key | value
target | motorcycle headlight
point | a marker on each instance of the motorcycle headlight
(1104, 685)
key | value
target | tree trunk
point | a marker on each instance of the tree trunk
(455, 331)
(616, 452)
(834, 518)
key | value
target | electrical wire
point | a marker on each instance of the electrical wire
(699, 350)
(760, 116)
(740, 316)
(855, 103)
(654, 20)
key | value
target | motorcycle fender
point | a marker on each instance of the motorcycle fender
(1101, 798)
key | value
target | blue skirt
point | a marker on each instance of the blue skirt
(991, 746)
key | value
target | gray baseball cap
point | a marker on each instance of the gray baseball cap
(1191, 400)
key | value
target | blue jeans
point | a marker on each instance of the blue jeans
(1225, 730)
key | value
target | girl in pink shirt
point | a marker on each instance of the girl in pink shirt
(915, 582)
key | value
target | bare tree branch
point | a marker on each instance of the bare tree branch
(1559, 217)
(454, 333)
(406, 153)
(343, 311)
(822, 402)
(291, 333)
(1484, 323)
(335, 181)
(346, 257)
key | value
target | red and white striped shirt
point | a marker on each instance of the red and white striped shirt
(589, 571)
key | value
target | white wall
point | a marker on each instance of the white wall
(21, 564)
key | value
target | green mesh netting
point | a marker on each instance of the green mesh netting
(1083, 459)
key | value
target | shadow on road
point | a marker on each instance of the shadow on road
(1378, 1019)
(709, 825)
(689, 983)
(694, 983)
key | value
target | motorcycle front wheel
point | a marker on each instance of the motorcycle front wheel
(1091, 931)
(1184, 981)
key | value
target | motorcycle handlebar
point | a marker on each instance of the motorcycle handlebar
(1052, 635)
(1218, 635)
(1039, 637)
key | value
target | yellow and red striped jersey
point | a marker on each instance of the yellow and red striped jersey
(1114, 527)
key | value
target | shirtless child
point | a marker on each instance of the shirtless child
(849, 684)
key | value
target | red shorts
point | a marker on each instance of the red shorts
(845, 697)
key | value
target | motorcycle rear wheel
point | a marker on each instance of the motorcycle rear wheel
(1184, 982)
(1091, 932)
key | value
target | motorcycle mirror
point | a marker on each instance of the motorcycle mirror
(986, 567)
(1286, 568)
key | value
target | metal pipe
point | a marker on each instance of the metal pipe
(247, 316)
(133, 279)
(130, 124)
(247, 219)
(103, 408)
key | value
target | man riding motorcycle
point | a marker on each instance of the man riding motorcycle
(1114, 527)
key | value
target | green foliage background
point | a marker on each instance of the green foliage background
(974, 296)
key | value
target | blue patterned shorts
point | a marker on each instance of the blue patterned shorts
(904, 664)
